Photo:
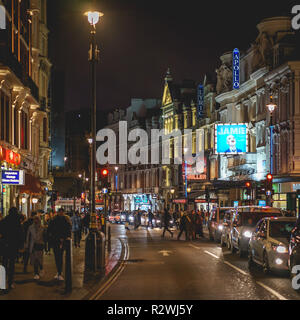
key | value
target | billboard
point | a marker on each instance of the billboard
(231, 138)
(196, 171)
(236, 69)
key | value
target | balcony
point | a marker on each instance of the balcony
(9, 60)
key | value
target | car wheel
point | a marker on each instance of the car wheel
(251, 263)
(266, 267)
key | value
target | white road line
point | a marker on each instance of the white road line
(191, 245)
(276, 294)
(236, 268)
(211, 254)
(273, 292)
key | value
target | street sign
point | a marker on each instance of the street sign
(13, 177)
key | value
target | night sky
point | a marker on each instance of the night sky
(140, 39)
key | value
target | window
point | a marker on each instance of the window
(7, 122)
(16, 127)
(2, 115)
(24, 130)
(45, 129)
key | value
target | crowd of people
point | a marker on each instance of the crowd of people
(28, 239)
(188, 222)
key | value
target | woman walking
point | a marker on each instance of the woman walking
(35, 244)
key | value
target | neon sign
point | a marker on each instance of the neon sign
(236, 69)
(10, 156)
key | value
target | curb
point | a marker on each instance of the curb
(99, 289)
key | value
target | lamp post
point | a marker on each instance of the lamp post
(92, 249)
(271, 108)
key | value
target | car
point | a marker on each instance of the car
(243, 222)
(269, 243)
(294, 248)
(225, 229)
(215, 222)
(115, 217)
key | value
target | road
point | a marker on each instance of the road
(168, 269)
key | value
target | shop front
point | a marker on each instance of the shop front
(285, 196)
(142, 202)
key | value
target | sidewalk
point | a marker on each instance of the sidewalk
(47, 288)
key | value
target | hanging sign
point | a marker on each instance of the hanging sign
(236, 69)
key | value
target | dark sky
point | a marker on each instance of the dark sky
(140, 39)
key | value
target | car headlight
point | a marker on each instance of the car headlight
(122, 217)
(131, 219)
(220, 227)
(158, 221)
(281, 249)
(247, 234)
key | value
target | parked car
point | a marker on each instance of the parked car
(225, 229)
(215, 222)
(243, 223)
(114, 217)
(268, 245)
(294, 248)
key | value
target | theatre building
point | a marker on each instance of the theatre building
(24, 130)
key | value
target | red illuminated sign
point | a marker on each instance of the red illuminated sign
(10, 156)
(179, 201)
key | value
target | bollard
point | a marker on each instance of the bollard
(109, 239)
(68, 265)
(100, 254)
(91, 251)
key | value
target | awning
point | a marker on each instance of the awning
(32, 185)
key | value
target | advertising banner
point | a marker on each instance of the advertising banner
(231, 138)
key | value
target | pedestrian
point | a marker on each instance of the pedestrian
(150, 219)
(183, 226)
(136, 220)
(26, 226)
(166, 220)
(46, 235)
(76, 228)
(198, 225)
(59, 230)
(12, 237)
(86, 223)
(35, 244)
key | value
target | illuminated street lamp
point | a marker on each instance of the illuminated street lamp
(116, 183)
(94, 236)
(188, 189)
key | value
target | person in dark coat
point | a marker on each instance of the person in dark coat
(59, 230)
(12, 234)
(150, 219)
(184, 226)
(198, 225)
(166, 220)
(26, 226)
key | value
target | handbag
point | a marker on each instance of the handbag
(38, 247)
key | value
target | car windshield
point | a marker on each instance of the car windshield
(280, 229)
(250, 219)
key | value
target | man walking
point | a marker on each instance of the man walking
(26, 226)
(59, 231)
(166, 220)
(12, 234)
(150, 219)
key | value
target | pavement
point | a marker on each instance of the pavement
(47, 288)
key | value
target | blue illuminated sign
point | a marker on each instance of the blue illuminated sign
(235, 204)
(236, 69)
(200, 104)
(13, 177)
(262, 203)
(231, 138)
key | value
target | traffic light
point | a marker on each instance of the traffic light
(104, 174)
(248, 188)
(269, 184)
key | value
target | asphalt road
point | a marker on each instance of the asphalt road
(167, 269)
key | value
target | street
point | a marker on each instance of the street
(168, 269)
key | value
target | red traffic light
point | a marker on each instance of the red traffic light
(269, 177)
(104, 172)
(248, 184)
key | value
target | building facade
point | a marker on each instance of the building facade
(24, 77)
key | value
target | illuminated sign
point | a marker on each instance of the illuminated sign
(196, 171)
(200, 104)
(235, 204)
(236, 69)
(179, 201)
(9, 156)
(13, 177)
(231, 138)
(262, 203)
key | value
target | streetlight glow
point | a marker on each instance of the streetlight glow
(93, 17)
(271, 106)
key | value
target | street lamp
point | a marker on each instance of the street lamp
(271, 108)
(116, 182)
(92, 247)
(188, 189)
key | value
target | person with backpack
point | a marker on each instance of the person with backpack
(59, 231)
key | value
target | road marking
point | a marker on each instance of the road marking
(114, 277)
(236, 268)
(213, 255)
(165, 253)
(276, 294)
(273, 292)
(191, 245)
